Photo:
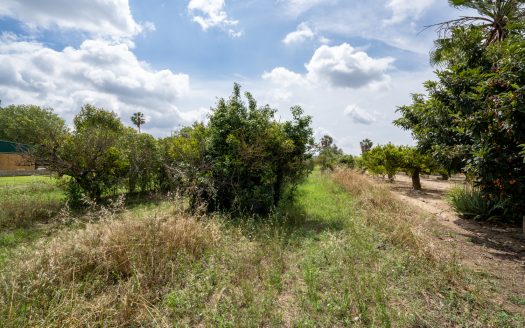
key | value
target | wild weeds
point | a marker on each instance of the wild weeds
(21, 206)
(380, 208)
(111, 271)
(333, 259)
(26, 210)
(426, 283)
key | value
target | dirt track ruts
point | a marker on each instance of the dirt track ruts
(493, 248)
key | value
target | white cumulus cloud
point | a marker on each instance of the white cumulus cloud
(212, 13)
(298, 7)
(359, 115)
(403, 9)
(302, 33)
(345, 66)
(97, 17)
(100, 72)
(339, 66)
(284, 77)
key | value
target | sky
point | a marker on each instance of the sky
(348, 63)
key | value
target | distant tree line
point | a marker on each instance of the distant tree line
(242, 160)
(329, 155)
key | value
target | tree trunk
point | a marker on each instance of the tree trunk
(277, 188)
(416, 182)
(524, 226)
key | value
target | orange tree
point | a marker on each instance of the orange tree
(242, 160)
(474, 114)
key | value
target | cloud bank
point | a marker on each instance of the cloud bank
(97, 17)
(100, 72)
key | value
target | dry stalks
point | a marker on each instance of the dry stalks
(111, 272)
(24, 212)
(400, 223)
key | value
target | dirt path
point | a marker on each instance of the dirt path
(498, 250)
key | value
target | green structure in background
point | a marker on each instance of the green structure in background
(9, 147)
(12, 157)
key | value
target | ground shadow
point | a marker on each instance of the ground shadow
(501, 241)
(504, 241)
(299, 223)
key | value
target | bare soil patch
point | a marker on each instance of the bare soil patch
(493, 248)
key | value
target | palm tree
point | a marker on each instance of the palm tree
(495, 19)
(366, 145)
(138, 119)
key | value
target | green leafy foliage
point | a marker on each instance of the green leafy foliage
(187, 167)
(37, 127)
(384, 159)
(243, 160)
(389, 159)
(92, 154)
(329, 153)
(29, 124)
(415, 162)
(473, 204)
(144, 156)
(101, 157)
(347, 161)
(472, 117)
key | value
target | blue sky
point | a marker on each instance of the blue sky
(348, 63)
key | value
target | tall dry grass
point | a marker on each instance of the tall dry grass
(112, 273)
(450, 294)
(401, 224)
(27, 211)
(26, 204)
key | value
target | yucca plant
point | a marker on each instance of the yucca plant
(470, 203)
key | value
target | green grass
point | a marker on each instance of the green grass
(26, 201)
(31, 188)
(321, 262)
(352, 274)
(25, 180)
(29, 204)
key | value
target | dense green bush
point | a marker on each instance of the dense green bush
(92, 155)
(31, 125)
(472, 118)
(471, 203)
(347, 161)
(187, 167)
(243, 160)
(101, 157)
(144, 156)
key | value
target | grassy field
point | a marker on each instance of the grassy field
(21, 199)
(345, 254)
(26, 203)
